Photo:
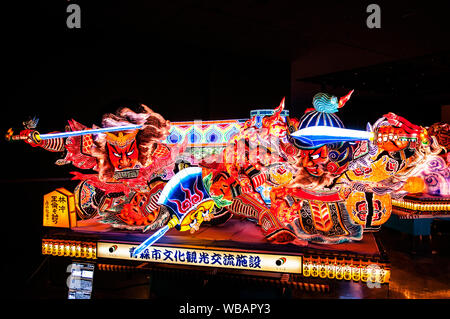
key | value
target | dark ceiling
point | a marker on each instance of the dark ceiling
(237, 51)
(271, 28)
(281, 29)
(418, 76)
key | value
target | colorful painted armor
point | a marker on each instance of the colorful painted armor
(329, 192)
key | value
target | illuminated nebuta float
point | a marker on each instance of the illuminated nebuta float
(431, 195)
(309, 178)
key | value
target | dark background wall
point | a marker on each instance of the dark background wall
(200, 60)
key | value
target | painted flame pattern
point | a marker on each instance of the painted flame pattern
(190, 199)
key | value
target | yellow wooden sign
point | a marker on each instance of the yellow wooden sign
(59, 209)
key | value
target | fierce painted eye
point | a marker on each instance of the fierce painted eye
(116, 154)
(315, 156)
(130, 152)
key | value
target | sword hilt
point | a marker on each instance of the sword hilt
(32, 136)
(377, 137)
(413, 136)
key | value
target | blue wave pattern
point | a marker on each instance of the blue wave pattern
(326, 103)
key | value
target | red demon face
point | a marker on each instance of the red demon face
(123, 157)
(314, 161)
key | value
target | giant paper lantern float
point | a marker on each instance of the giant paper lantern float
(309, 178)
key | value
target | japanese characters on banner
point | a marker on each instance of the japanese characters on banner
(203, 257)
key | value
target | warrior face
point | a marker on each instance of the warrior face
(122, 150)
(130, 149)
(315, 160)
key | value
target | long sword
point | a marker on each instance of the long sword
(38, 137)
